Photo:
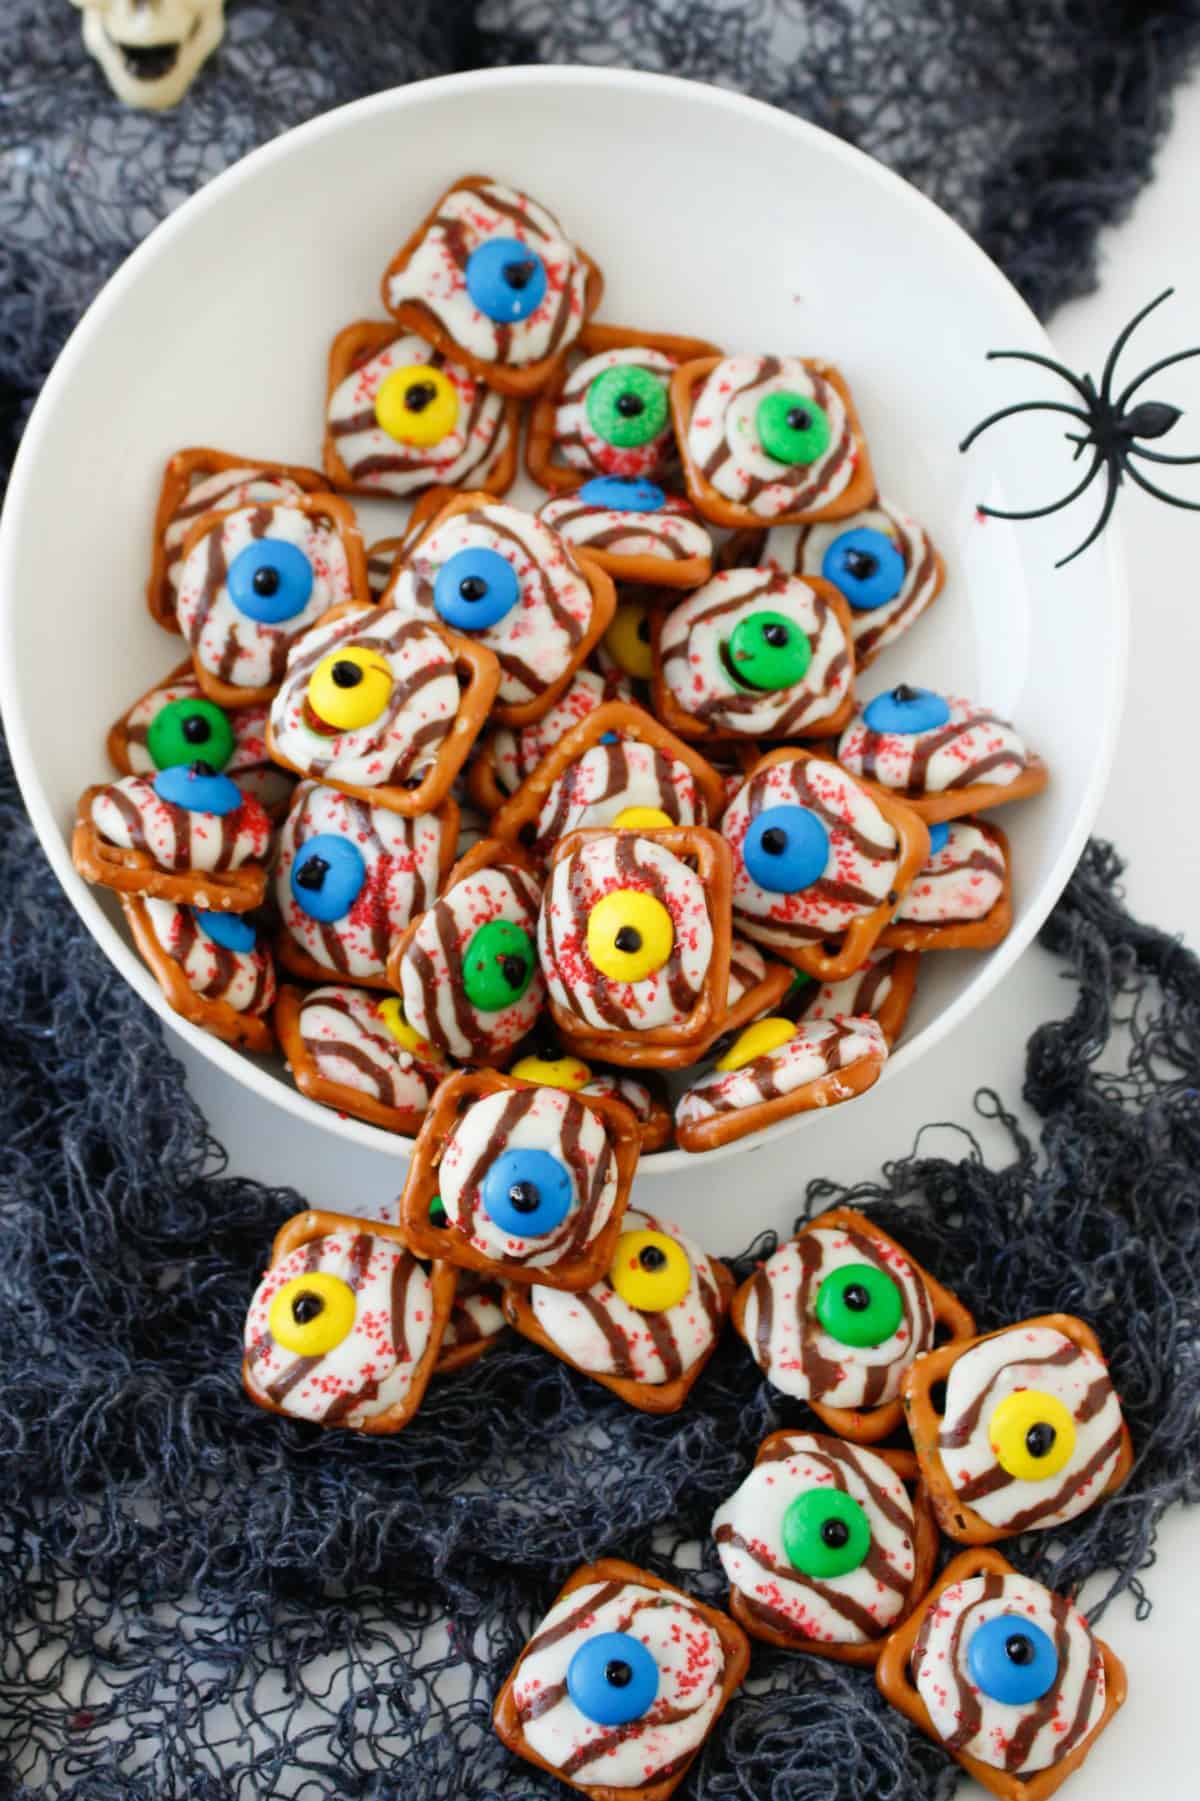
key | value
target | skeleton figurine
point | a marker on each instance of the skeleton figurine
(151, 50)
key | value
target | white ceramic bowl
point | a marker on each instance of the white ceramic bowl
(711, 215)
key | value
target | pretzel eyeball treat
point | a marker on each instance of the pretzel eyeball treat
(648, 1328)
(190, 835)
(530, 1184)
(503, 578)
(1031, 1434)
(769, 440)
(476, 1321)
(838, 1315)
(634, 941)
(382, 707)
(775, 1069)
(634, 529)
(491, 280)
(355, 1051)
(882, 988)
(467, 970)
(943, 757)
(348, 879)
(345, 1326)
(819, 861)
(175, 723)
(253, 579)
(214, 968)
(621, 1684)
(197, 481)
(1005, 1675)
(755, 654)
(382, 557)
(508, 756)
(961, 898)
(824, 1546)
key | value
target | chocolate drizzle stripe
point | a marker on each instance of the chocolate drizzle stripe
(514, 1109)
(608, 1591)
(953, 1438)
(614, 1338)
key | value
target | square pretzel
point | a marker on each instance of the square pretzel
(246, 1031)
(289, 1007)
(967, 934)
(734, 1644)
(891, 1014)
(893, 1675)
(843, 1083)
(455, 1097)
(130, 871)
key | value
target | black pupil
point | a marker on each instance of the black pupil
(312, 874)
(472, 587)
(414, 780)
(650, 1257)
(196, 729)
(1018, 1648)
(346, 674)
(513, 968)
(904, 693)
(519, 275)
(799, 418)
(1039, 1439)
(266, 580)
(835, 1533)
(774, 841)
(524, 1197)
(418, 396)
(628, 939)
(617, 1673)
(306, 1306)
(200, 767)
(630, 405)
(776, 635)
(861, 564)
(856, 1297)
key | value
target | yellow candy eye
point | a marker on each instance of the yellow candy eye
(629, 935)
(556, 1072)
(391, 1012)
(650, 1271)
(627, 639)
(416, 405)
(312, 1314)
(763, 1036)
(643, 819)
(1032, 1435)
(349, 688)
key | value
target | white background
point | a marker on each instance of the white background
(1150, 811)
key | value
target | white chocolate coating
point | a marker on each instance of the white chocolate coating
(724, 444)
(852, 1609)
(351, 1046)
(244, 980)
(475, 1314)
(747, 968)
(434, 277)
(616, 1085)
(547, 1119)
(691, 1665)
(960, 883)
(577, 443)
(800, 550)
(792, 1348)
(221, 492)
(516, 752)
(130, 814)
(973, 746)
(606, 780)
(1016, 1736)
(1042, 1359)
(672, 534)
(694, 644)
(249, 766)
(815, 1051)
(864, 992)
(431, 970)
(372, 1368)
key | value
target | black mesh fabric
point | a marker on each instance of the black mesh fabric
(198, 1600)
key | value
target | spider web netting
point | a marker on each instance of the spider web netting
(198, 1600)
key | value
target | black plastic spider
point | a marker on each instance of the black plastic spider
(1111, 432)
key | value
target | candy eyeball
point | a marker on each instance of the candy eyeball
(187, 729)
(865, 566)
(198, 788)
(417, 404)
(506, 279)
(792, 428)
(350, 688)
(475, 588)
(627, 405)
(906, 711)
(270, 581)
(327, 876)
(785, 849)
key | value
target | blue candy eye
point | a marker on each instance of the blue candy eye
(475, 588)
(198, 788)
(230, 930)
(866, 566)
(939, 838)
(506, 279)
(612, 1679)
(906, 711)
(621, 494)
(271, 580)
(527, 1192)
(1012, 1660)
(327, 877)
(785, 849)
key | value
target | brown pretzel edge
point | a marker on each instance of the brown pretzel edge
(453, 1097)
(894, 1010)
(898, 1688)
(370, 336)
(135, 871)
(714, 506)
(460, 1356)
(301, 1229)
(246, 1031)
(925, 1547)
(829, 1090)
(734, 1644)
(955, 803)
(957, 1519)
(289, 1005)
(966, 935)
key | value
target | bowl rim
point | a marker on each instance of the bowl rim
(639, 84)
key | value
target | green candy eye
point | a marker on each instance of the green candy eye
(627, 406)
(767, 651)
(189, 731)
(792, 428)
(859, 1305)
(498, 966)
(825, 1534)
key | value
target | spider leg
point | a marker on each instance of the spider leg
(1123, 337)
(1181, 356)
(1157, 456)
(1110, 501)
(1023, 406)
(1081, 383)
(1040, 512)
(1172, 500)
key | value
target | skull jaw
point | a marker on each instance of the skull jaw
(158, 89)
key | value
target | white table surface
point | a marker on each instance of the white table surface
(1149, 810)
